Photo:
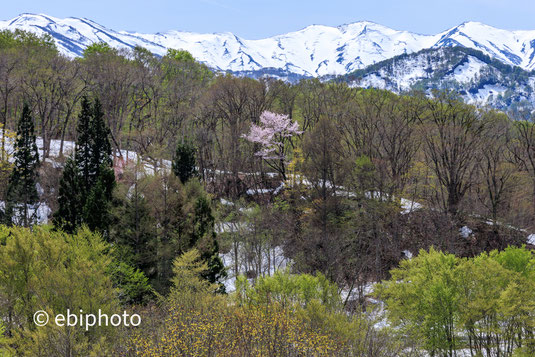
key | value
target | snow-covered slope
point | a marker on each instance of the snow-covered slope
(512, 47)
(313, 51)
(478, 78)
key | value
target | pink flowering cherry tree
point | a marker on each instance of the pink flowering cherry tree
(273, 134)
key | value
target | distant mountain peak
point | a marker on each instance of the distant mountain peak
(313, 51)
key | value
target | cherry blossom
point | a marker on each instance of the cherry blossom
(272, 133)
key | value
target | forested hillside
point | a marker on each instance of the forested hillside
(477, 78)
(243, 217)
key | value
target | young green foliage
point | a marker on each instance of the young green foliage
(438, 299)
(54, 271)
(423, 297)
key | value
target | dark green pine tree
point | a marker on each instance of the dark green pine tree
(97, 208)
(83, 153)
(96, 212)
(101, 147)
(203, 220)
(204, 238)
(22, 195)
(184, 162)
(68, 216)
(134, 233)
(92, 175)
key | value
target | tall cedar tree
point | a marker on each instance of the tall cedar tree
(96, 211)
(204, 238)
(97, 205)
(133, 230)
(68, 216)
(22, 190)
(83, 155)
(101, 147)
(184, 162)
(86, 186)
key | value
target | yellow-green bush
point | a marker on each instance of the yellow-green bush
(300, 319)
(52, 271)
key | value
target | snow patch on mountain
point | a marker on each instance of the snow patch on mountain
(398, 77)
(468, 71)
(487, 93)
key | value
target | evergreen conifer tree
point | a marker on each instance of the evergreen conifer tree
(68, 216)
(97, 206)
(91, 175)
(134, 232)
(96, 210)
(101, 148)
(84, 148)
(184, 162)
(216, 272)
(204, 239)
(22, 191)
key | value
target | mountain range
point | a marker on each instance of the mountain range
(474, 58)
(313, 51)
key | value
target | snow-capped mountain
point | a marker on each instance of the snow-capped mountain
(311, 52)
(478, 78)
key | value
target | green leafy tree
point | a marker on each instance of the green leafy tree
(133, 284)
(22, 195)
(289, 290)
(423, 297)
(179, 55)
(188, 281)
(97, 48)
(484, 281)
(20, 38)
(4, 341)
(55, 271)
(181, 64)
(483, 303)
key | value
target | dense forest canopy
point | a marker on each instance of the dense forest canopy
(166, 171)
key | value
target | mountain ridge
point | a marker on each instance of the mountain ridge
(476, 77)
(313, 51)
